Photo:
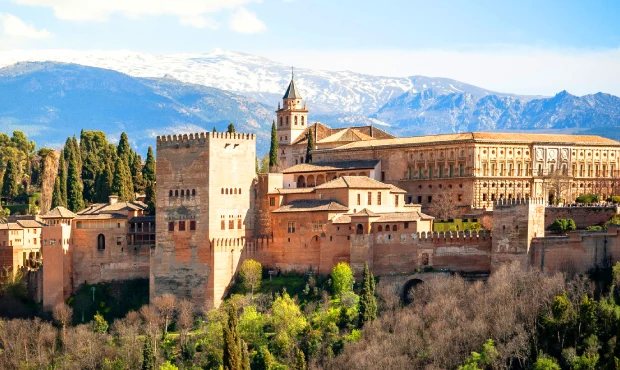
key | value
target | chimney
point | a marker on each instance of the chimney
(113, 199)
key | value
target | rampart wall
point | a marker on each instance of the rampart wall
(583, 216)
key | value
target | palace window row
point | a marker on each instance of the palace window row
(181, 226)
(296, 121)
(422, 172)
(182, 192)
(231, 191)
(231, 223)
(387, 228)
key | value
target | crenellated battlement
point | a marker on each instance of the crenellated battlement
(432, 236)
(202, 137)
(506, 203)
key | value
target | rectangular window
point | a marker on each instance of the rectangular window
(430, 199)
(451, 170)
(291, 227)
(420, 175)
(181, 225)
(192, 225)
(223, 225)
(369, 198)
(379, 198)
(406, 225)
(231, 224)
(239, 224)
(317, 225)
(430, 172)
(461, 169)
(419, 199)
(119, 242)
(52, 241)
(396, 200)
(440, 170)
(272, 202)
(382, 176)
(493, 169)
(359, 199)
(170, 226)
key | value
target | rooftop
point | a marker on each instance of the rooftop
(59, 212)
(118, 206)
(332, 166)
(383, 217)
(482, 137)
(100, 216)
(292, 92)
(312, 205)
(358, 182)
(325, 134)
(30, 224)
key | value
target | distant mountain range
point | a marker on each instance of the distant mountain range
(180, 93)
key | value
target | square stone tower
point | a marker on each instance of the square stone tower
(205, 195)
(515, 223)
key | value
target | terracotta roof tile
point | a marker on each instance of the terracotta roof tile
(59, 212)
(322, 132)
(30, 223)
(10, 226)
(365, 213)
(100, 216)
(119, 206)
(357, 182)
(403, 217)
(312, 205)
(293, 191)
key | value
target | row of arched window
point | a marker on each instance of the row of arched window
(231, 191)
(387, 228)
(184, 193)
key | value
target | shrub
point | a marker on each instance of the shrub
(587, 198)
(614, 199)
(562, 225)
(594, 228)
(614, 221)
(342, 278)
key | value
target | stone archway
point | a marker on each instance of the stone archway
(301, 181)
(405, 295)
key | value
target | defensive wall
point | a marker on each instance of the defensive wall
(583, 216)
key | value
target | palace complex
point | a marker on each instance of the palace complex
(364, 198)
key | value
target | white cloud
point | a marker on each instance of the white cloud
(189, 12)
(15, 28)
(244, 21)
(515, 69)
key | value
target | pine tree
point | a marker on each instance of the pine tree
(310, 146)
(368, 302)
(56, 195)
(10, 181)
(75, 190)
(121, 182)
(62, 175)
(148, 354)
(124, 149)
(148, 171)
(231, 128)
(273, 147)
(232, 348)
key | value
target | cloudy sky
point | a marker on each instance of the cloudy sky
(527, 47)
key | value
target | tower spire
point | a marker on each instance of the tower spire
(292, 73)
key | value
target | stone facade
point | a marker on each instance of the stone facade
(20, 245)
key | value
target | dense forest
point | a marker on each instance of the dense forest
(517, 319)
(85, 171)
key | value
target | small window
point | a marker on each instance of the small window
(100, 242)
(231, 224)
(291, 228)
(359, 199)
(170, 226)
(182, 192)
(272, 201)
(395, 228)
(181, 225)
(369, 198)
(119, 241)
(192, 225)
(176, 193)
(380, 228)
(239, 224)
(223, 225)
(187, 192)
(379, 199)
(396, 200)
(193, 192)
(222, 190)
(170, 194)
(239, 190)
(387, 227)
(406, 225)
(430, 199)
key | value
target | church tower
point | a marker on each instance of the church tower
(292, 116)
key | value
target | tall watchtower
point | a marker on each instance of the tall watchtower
(292, 116)
(204, 199)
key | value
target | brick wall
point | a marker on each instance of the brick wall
(583, 216)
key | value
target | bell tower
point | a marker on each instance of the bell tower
(292, 116)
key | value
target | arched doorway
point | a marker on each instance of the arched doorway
(301, 182)
(406, 292)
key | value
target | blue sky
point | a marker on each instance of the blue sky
(524, 47)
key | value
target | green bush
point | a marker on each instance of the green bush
(614, 221)
(614, 199)
(562, 225)
(594, 228)
(587, 198)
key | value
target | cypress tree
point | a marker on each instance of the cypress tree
(103, 184)
(62, 175)
(56, 196)
(121, 183)
(77, 153)
(75, 190)
(149, 193)
(310, 146)
(231, 128)
(273, 147)
(232, 348)
(10, 180)
(124, 149)
(68, 149)
(368, 302)
(245, 356)
(136, 174)
(214, 129)
(148, 354)
(148, 171)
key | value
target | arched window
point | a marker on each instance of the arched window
(176, 193)
(395, 228)
(226, 191)
(222, 190)
(231, 191)
(235, 190)
(359, 229)
(193, 192)
(287, 121)
(170, 194)
(295, 120)
(100, 242)
(187, 192)
(302, 120)
(280, 121)
(380, 228)
(239, 190)
(387, 227)
(182, 192)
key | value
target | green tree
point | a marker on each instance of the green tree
(288, 322)
(342, 278)
(263, 360)
(214, 129)
(149, 193)
(251, 273)
(310, 146)
(148, 171)
(56, 195)
(136, 174)
(148, 354)
(75, 200)
(273, 147)
(10, 181)
(232, 344)
(245, 356)
(368, 302)
(482, 360)
(562, 225)
(168, 366)
(231, 128)
(300, 360)
(99, 324)
(123, 150)
(103, 184)
(544, 362)
(121, 182)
